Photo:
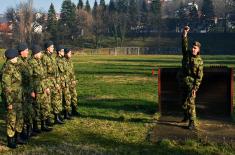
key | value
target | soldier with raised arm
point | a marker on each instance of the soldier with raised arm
(190, 78)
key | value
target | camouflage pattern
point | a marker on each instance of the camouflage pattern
(53, 81)
(39, 85)
(12, 92)
(72, 81)
(64, 82)
(190, 79)
(27, 100)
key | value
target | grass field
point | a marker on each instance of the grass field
(118, 103)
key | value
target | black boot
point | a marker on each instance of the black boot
(35, 127)
(19, 140)
(49, 122)
(11, 143)
(75, 112)
(61, 117)
(66, 116)
(24, 134)
(192, 125)
(57, 119)
(44, 127)
(30, 131)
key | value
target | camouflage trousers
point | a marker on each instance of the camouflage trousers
(56, 101)
(28, 110)
(74, 97)
(14, 119)
(188, 105)
(42, 106)
(66, 98)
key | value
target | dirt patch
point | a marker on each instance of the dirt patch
(218, 131)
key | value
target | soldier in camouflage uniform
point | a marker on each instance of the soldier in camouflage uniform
(52, 74)
(190, 78)
(62, 65)
(40, 90)
(72, 82)
(27, 99)
(12, 98)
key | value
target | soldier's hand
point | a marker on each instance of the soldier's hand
(47, 91)
(193, 93)
(10, 107)
(186, 30)
(33, 95)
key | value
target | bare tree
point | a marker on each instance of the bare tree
(22, 20)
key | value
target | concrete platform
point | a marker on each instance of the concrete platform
(209, 130)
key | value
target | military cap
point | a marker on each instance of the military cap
(59, 48)
(196, 43)
(48, 44)
(67, 50)
(36, 49)
(22, 47)
(11, 53)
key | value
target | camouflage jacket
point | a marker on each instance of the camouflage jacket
(11, 83)
(51, 69)
(192, 66)
(24, 69)
(38, 75)
(62, 70)
(70, 74)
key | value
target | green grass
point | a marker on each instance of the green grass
(118, 101)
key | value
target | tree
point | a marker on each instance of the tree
(113, 20)
(95, 8)
(133, 14)
(80, 4)
(88, 7)
(193, 16)
(102, 4)
(207, 13)
(52, 22)
(84, 23)
(156, 14)
(67, 23)
(122, 8)
(22, 19)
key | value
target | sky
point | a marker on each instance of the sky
(39, 4)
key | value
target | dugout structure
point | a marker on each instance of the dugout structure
(214, 97)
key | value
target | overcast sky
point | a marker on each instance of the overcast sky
(39, 4)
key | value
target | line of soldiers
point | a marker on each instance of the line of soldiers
(190, 78)
(37, 90)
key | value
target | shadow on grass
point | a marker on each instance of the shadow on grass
(118, 119)
(87, 141)
(131, 105)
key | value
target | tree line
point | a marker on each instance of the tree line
(80, 24)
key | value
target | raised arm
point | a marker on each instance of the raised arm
(185, 41)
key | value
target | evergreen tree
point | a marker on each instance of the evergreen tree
(156, 13)
(133, 13)
(95, 8)
(52, 22)
(68, 18)
(102, 4)
(208, 9)
(80, 4)
(207, 13)
(88, 7)
(194, 18)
